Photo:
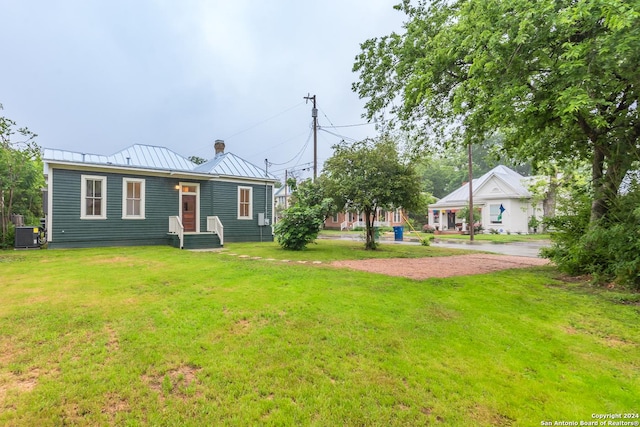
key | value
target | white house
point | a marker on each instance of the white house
(503, 197)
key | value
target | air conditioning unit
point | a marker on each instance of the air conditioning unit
(26, 238)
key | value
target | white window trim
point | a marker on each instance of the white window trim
(125, 181)
(83, 197)
(250, 216)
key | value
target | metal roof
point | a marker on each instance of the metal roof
(149, 156)
(510, 177)
(231, 165)
(161, 158)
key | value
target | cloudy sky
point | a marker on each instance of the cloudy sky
(96, 76)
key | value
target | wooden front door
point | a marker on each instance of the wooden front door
(189, 212)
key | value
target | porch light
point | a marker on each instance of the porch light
(177, 187)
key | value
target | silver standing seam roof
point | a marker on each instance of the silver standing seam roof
(161, 158)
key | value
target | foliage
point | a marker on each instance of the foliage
(197, 160)
(21, 178)
(557, 79)
(607, 250)
(303, 220)
(428, 228)
(368, 175)
(464, 213)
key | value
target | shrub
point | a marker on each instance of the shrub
(8, 240)
(428, 228)
(606, 250)
(298, 227)
(301, 223)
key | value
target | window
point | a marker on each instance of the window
(132, 198)
(94, 197)
(495, 213)
(245, 195)
(335, 218)
(396, 216)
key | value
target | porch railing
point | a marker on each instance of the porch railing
(176, 227)
(214, 225)
(362, 224)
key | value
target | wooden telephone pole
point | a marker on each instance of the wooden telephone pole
(314, 114)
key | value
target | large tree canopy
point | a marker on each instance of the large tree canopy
(367, 175)
(558, 78)
(21, 178)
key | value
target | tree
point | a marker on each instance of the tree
(197, 160)
(557, 78)
(367, 175)
(303, 220)
(21, 176)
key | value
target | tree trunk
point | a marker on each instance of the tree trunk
(599, 204)
(608, 173)
(549, 202)
(369, 216)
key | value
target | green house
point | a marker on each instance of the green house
(149, 195)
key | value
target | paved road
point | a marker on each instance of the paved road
(528, 249)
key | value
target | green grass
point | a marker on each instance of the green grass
(333, 250)
(159, 336)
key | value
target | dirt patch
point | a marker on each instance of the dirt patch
(20, 383)
(457, 265)
(179, 382)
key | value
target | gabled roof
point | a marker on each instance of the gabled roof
(149, 156)
(228, 164)
(510, 178)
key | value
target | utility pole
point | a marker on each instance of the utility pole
(286, 187)
(471, 221)
(314, 114)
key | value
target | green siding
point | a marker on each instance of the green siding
(225, 206)
(161, 201)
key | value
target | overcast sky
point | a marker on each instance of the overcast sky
(98, 76)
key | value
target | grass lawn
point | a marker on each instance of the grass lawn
(333, 250)
(159, 336)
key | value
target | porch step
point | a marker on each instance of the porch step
(196, 241)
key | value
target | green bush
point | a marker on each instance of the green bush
(298, 227)
(608, 250)
(8, 240)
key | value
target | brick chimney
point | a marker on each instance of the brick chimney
(219, 146)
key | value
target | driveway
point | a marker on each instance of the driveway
(526, 249)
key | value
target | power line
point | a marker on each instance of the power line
(338, 135)
(263, 121)
(347, 126)
(304, 147)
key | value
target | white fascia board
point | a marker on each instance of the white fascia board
(54, 164)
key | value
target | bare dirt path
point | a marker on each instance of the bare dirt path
(457, 265)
